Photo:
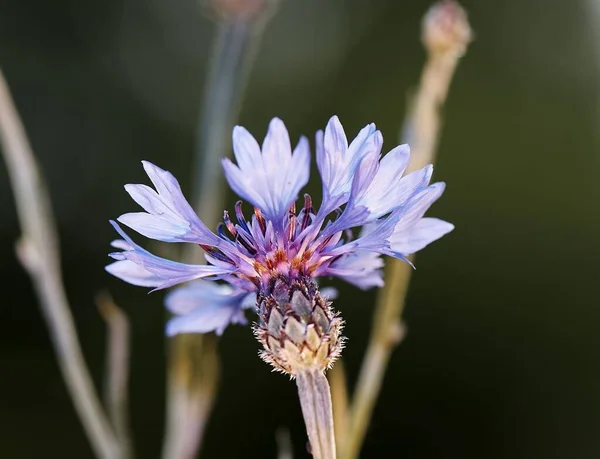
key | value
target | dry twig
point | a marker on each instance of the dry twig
(38, 251)
(446, 34)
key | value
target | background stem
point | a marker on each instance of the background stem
(193, 359)
(116, 398)
(446, 33)
(38, 251)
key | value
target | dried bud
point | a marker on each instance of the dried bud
(297, 328)
(446, 29)
(238, 9)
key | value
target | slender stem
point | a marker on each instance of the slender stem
(194, 367)
(233, 54)
(339, 398)
(422, 127)
(117, 370)
(39, 253)
(201, 396)
(184, 351)
(446, 34)
(284, 444)
(315, 400)
(386, 333)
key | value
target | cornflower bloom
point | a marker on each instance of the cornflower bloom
(272, 260)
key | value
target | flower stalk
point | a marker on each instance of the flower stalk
(446, 34)
(315, 400)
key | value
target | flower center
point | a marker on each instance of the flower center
(266, 250)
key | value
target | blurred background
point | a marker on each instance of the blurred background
(502, 357)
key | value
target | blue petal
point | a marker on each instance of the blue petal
(379, 188)
(204, 307)
(167, 272)
(199, 294)
(362, 269)
(337, 161)
(379, 235)
(210, 318)
(134, 274)
(420, 203)
(329, 293)
(169, 217)
(419, 236)
(271, 179)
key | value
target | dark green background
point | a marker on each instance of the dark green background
(502, 355)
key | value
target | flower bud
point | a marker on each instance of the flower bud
(446, 29)
(298, 328)
(238, 9)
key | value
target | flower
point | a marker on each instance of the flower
(274, 257)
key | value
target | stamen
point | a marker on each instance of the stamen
(216, 253)
(308, 210)
(230, 226)
(220, 256)
(242, 240)
(260, 219)
(324, 242)
(240, 216)
(221, 231)
(291, 229)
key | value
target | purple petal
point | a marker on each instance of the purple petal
(420, 235)
(276, 146)
(270, 180)
(199, 294)
(417, 206)
(159, 228)
(330, 293)
(136, 275)
(379, 234)
(387, 189)
(337, 161)
(362, 269)
(168, 272)
(169, 216)
(379, 188)
(212, 317)
(356, 214)
(245, 148)
(206, 306)
(121, 244)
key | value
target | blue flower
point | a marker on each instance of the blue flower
(360, 189)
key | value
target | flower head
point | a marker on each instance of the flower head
(258, 255)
